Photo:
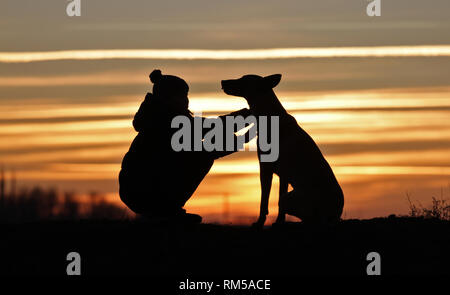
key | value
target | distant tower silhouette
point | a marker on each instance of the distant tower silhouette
(226, 208)
(2, 188)
(13, 184)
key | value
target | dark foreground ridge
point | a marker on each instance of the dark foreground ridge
(406, 245)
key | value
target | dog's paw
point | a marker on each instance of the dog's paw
(278, 224)
(258, 224)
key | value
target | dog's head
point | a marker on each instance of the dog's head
(250, 85)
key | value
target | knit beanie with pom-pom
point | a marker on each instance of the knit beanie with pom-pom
(167, 85)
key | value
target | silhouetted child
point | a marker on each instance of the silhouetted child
(156, 181)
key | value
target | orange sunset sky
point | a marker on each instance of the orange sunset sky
(372, 92)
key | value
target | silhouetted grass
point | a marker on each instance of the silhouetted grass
(439, 208)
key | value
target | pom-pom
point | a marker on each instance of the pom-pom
(155, 76)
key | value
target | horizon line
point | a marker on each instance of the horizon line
(228, 54)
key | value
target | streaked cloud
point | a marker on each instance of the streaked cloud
(237, 54)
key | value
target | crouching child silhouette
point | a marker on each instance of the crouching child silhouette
(155, 181)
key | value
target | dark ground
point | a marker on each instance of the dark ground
(406, 245)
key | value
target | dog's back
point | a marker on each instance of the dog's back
(302, 163)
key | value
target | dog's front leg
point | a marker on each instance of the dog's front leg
(283, 191)
(265, 177)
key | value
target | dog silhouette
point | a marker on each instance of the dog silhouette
(316, 196)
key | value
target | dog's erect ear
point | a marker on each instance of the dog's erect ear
(272, 80)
